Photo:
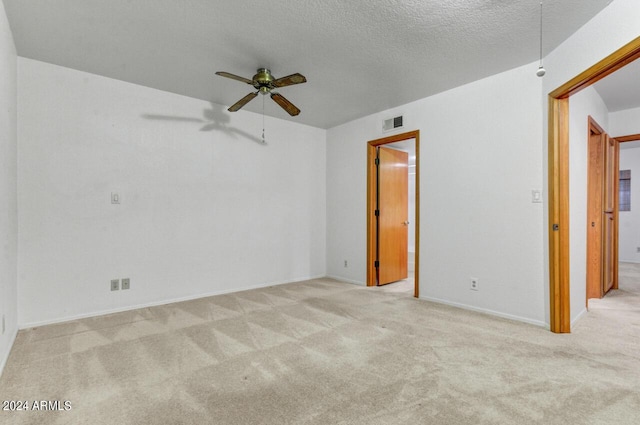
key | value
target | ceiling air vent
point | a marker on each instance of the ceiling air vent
(392, 123)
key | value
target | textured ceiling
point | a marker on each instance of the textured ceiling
(359, 57)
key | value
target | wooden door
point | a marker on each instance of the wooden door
(616, 213)
(392, 214)
(609, 216)
(602, 212)
(595, 206)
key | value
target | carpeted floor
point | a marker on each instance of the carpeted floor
(323, 352)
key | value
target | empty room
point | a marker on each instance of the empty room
(383, 212)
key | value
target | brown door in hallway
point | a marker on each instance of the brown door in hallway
(602, 186)
(392, 214)
(595, 206)
(610, 214)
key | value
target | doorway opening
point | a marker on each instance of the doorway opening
(628, 167)
(377, 227)
(558, 177)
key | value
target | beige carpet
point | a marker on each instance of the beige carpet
(324, 352)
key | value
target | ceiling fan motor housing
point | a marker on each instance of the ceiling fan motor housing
(264, 83)
(262, 80)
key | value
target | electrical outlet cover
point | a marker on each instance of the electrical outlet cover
(474, 284)
(115, 284)
(126, 283)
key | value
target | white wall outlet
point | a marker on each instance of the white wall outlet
(115, 198)
(346, 264)
(638, 249)
(115, 284)
(126, 283)
(475, 286)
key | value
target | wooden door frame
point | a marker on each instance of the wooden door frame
(594, 244)
(616, 209)
(620, 139)
(371, 201)
(629, 138)
(558, 179)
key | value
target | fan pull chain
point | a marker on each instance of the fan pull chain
(540, 33)
(541, 71)
(263, 141)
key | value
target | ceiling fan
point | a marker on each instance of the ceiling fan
(264, 82)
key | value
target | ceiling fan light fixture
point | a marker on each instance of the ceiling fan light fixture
(264, 83)
(541, 71)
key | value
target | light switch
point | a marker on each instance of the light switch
(115, 198)
(536, 196)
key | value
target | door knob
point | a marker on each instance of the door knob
(406, 223)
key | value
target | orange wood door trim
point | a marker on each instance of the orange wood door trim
(558, 226)
(371, 219)
(629, 138)
(620, 139)
(616, 211)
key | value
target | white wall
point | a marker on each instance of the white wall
(201, 212)
(481, 155)
(624, 123)
(615, 26)
(629, 230)
(581, 105)
(8, 187)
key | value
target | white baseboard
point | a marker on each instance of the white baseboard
(345, 280)
(629, 261)
(579, 316)
(487, 311)
(3, 360)
(28, 325)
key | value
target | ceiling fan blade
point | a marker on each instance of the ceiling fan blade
(285, 104)
(239, 104)
(289, 80)
(234, 77)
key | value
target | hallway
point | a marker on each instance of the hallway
(616, 317)
(626, 300)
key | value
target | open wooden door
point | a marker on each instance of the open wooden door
(595, 206)
(610, 214)
(392, 213)
(602, 212)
